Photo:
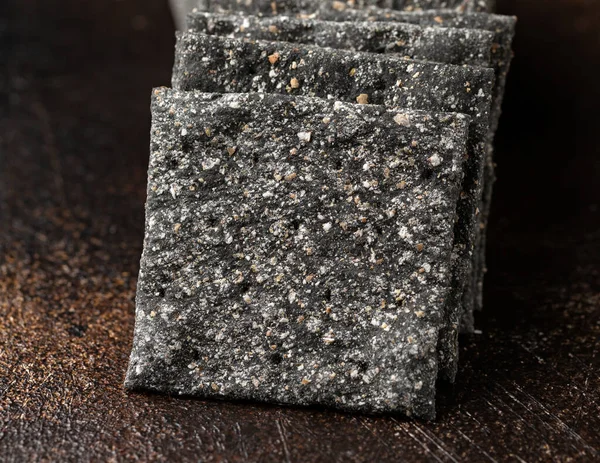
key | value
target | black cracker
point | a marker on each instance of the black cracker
(297, 251)
(503, 28)
(460, 46)
(274, 7)
(444, 45)
(461, 6)
(217, 64)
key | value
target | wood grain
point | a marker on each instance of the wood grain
(74, 121)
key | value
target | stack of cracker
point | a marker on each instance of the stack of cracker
(318, 193)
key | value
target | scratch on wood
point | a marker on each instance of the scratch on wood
(474, 444)
(404, 427)
(433, 441)
(561, 424)
(373, 433)
(286, 451)
(526, 422)
(241, 438)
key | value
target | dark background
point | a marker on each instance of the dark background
(74, 121)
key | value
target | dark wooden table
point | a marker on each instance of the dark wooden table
(74, 121)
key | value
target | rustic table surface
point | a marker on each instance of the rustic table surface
(74, 120)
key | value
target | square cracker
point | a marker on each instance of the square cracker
(444, 45)
(275, 7)
(219, 64)
(485, 42)
(270, 7)
(297, 251)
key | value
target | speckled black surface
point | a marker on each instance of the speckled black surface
(309, 6)
(217, 64)
(470, 30)
(444, 45)
(270, 7)
(459, 5)
(503, 28)
(297, 250)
